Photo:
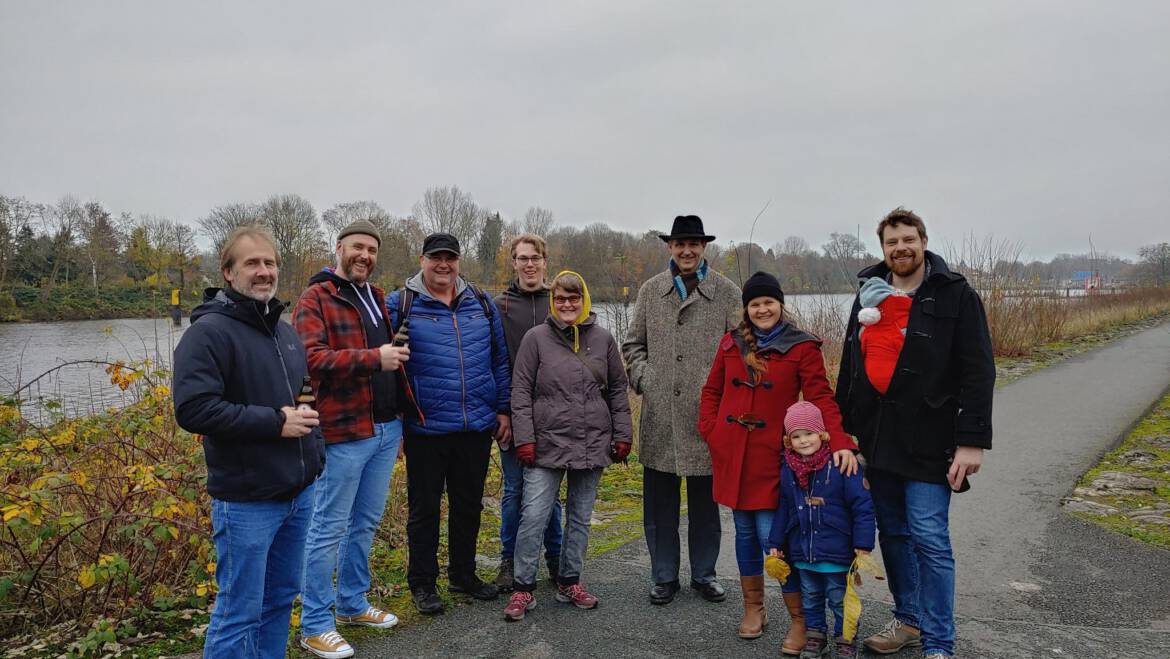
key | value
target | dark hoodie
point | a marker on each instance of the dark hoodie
(235, 367)
(521, 311)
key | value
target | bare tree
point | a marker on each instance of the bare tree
(1155, 261)
(100, 242)
(223, 220)
(792, 246)
(180, 239)
(294, 225)
(342, 215)
(62, 223)
(538, 220)
(449, 210)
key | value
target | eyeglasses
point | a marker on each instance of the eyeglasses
(561, 300)
(525, 260)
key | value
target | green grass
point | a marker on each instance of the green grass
(1156, 424)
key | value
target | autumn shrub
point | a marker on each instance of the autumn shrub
(104, 516)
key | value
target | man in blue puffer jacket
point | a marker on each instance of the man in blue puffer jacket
(459, 374)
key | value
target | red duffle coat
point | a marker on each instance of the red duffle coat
(746, 463)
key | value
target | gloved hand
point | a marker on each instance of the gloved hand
(526, 454)
(620, 451)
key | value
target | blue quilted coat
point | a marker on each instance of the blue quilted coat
(460, 383)
(827, 521)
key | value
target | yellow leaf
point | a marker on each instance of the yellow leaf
(86, 577)
(852, 606)
(80, 478)
(11, 512)
(211, 567)
(201, 590)
(173, 531)
(777, 568)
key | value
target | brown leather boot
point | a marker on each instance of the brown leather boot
(795, 640)
(755, 616)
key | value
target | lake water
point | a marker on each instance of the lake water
(30, 350)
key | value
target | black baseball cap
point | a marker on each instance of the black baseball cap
(441, 242)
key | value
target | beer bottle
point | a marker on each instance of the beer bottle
(305, 398)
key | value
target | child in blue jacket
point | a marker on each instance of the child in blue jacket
(823, 521)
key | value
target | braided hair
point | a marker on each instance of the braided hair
(756, 365)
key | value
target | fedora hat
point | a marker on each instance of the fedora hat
(687, 227)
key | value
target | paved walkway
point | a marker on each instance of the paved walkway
(1033, 581)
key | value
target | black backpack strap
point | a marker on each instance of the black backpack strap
(488, 312)
(405, 302)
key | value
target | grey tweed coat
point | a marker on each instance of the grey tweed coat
(668, 352)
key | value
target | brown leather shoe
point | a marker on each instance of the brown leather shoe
(755, 616)
(795, 640)
(893, 637)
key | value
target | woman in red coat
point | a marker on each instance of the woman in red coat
(761, 368)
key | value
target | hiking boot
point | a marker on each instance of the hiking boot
(554, 568)
(893, 637)
(474, 587)
(663, 593)
(846, 649)
(520, 603)
(815, 646)
(426, 599)
(371, 617)
(329, 645)
(506, 576)
(575, 593)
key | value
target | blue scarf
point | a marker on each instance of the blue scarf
(679, 286)
(765, 340)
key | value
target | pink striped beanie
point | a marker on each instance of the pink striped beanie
(803, 415)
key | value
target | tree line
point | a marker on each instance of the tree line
(84, 245)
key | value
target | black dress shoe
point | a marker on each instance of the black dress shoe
(474, 587)
(426, 600)
(663, 593)
(712, 591)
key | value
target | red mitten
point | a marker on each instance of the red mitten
(526, 454)
(620, 451)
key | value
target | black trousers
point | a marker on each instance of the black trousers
(661, 498)
(458, 463)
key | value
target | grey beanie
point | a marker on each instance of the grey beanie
(361, 226)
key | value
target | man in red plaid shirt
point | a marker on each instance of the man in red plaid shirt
(342, 321)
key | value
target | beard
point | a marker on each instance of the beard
(347, 269)
(906, 269)
(263, 297)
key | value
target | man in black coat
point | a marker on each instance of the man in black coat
(925, 434)
(237, 370)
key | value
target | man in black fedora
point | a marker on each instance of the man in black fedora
(679, 317)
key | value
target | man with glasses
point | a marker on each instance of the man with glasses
(458, 372)
(524, 305)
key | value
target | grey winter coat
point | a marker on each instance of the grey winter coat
(557, 401)
(668, 350)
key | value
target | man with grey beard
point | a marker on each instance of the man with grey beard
(237, 369)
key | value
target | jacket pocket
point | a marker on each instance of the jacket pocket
(934, 430)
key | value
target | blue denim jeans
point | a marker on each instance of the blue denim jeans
(913, 531)
(510, 511)
(541, 488)
(351, 496)
(818, 589)
(751, 538)
(259, 546)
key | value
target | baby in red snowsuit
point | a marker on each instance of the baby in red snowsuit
(884, 315)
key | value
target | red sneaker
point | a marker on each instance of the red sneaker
(580, 597)
(519, 604)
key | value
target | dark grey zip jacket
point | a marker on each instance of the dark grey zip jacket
(558, 402)
(521, 310)
(235, 367)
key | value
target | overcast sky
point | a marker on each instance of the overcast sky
(1036, 122)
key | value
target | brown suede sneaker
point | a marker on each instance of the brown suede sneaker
(329, 645)
(371, 617)
(893, 637)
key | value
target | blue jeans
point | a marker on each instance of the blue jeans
(915, 539)
(259, 546)
(510, 511)
(752, 528)
(541, 488)
(351, 496)
(818, 589)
